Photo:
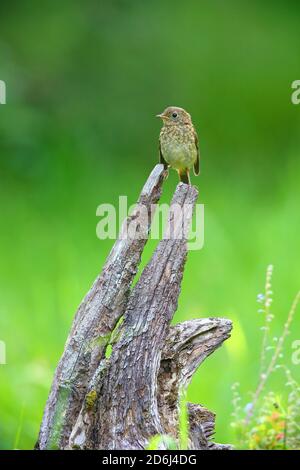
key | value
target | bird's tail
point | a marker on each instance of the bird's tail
(184, 176)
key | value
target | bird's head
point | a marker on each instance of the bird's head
(173, 116)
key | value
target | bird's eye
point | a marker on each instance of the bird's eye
(174, 115)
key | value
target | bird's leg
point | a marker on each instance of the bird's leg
(184, 176)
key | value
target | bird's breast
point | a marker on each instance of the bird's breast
(178, 147)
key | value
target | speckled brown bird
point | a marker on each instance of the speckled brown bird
(178, 142)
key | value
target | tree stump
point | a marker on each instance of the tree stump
(121, 401)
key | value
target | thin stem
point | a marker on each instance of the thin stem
(267, 305)
(264, 377)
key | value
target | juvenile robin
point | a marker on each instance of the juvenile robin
(178, 143)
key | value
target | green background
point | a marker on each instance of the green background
(84, 82)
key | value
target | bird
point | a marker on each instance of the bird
(178, 143)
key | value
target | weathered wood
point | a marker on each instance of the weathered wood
(128, 412)
(187, 345)
(95, 319)
(128, 389)
(202, 429)
(121, 401)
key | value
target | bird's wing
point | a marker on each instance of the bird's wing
(161, 158)
(197, 162)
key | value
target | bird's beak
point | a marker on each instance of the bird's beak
(160, 116)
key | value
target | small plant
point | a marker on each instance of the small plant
(269, 421)
(168, 442)
(162, 441)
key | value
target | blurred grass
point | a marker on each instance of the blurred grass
(84, 82)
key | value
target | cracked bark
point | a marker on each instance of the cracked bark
(121, 401)
(95, 319)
